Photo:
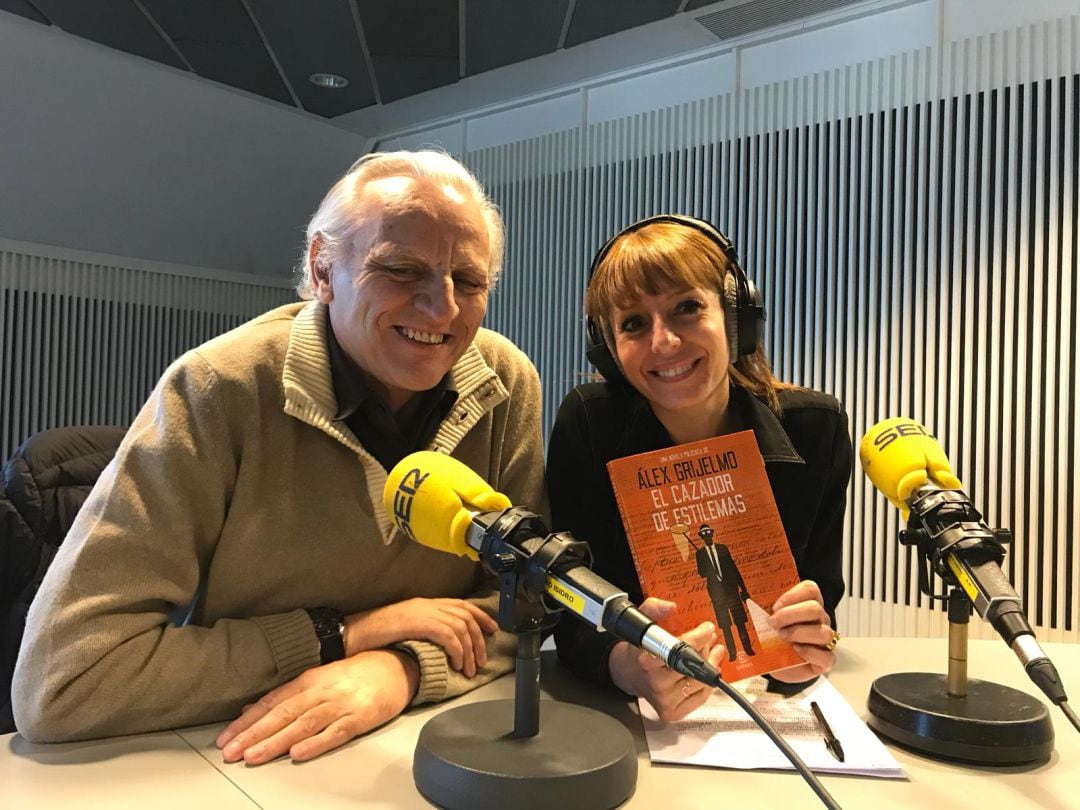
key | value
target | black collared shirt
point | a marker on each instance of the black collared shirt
(386, 435)
(808, 458)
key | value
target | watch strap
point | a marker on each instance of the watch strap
(330, 630)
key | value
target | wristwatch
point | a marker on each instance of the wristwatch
(330, 630)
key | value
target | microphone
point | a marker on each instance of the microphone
(441, 503)
(906, 463)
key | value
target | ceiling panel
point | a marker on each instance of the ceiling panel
(317, 37)
(500, 33)
(598, 18)
(387, 49)
(413, 43)
(221, 43)
(116, 23)
(696, 4)
(23, 9)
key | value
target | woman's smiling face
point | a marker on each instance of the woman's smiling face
(673, 348)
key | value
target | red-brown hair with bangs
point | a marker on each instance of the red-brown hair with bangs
(663, 256)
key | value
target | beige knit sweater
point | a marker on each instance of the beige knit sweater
(234, 503)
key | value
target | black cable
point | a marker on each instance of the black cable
(686, 660)
(1065, 707)
(781, 743)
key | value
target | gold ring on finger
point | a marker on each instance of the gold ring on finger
(833, 641)
(686, 687)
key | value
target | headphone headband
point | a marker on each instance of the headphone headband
(706, 228)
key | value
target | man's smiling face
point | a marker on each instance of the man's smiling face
(407, 299)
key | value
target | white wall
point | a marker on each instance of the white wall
(106, 152)
(966, 18)
(658, 65)
(803, 53)
(670, 62)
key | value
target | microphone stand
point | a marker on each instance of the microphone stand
(524, 753)
(952, 717)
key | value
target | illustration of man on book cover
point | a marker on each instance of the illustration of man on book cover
(726, 588)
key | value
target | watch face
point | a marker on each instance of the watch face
(329, 629)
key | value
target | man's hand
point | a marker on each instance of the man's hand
(323, 708)
(799, 617)
(638, 673)
(455, 625)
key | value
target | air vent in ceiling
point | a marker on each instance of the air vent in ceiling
(756, 15)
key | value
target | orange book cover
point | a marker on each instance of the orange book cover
(704, 532)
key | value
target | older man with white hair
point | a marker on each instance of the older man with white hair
(235, 560)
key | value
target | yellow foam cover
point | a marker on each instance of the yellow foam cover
(431, 498)
(899, 455)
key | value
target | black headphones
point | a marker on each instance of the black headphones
(748, 311)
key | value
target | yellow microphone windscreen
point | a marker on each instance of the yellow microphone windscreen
(899, 455)
(431, 496)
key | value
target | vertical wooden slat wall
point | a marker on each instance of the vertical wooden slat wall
(84, 343)
(912, 221)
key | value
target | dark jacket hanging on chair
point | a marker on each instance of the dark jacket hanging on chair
(42, 487)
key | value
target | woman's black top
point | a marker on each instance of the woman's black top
(808, 458)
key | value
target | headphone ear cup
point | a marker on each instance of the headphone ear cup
(599, 355)
(751, 320)
(732, 323)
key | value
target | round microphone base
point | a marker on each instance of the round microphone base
(992, 725)
(468, 757)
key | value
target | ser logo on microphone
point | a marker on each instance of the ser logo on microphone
(894, 431)
(403, 500)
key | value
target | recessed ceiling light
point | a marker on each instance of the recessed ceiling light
(330, 80)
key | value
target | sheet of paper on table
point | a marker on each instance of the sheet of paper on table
(720, 734)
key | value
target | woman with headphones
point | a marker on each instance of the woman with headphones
(675, 328)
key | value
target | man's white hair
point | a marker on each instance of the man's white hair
(337, 218)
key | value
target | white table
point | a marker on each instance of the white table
(184, 768)
(146, 771)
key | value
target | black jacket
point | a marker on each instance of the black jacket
(43, 486)
(808, 458)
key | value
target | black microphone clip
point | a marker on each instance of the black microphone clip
(515, 546)
(944, 523)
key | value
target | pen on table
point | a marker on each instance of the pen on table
(831, 742)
